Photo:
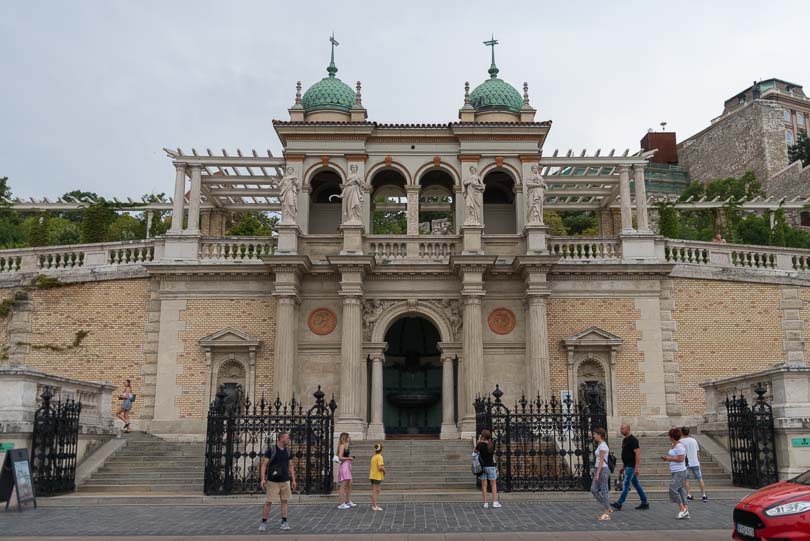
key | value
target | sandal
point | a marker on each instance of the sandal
(604, 516)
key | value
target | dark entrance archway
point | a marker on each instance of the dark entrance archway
(412, 379)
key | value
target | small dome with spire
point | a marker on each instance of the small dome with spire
(330, 93)
(495, 94)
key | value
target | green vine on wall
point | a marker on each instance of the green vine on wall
(79, 337)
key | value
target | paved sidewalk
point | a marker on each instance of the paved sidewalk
(327, 520)
(641, 535)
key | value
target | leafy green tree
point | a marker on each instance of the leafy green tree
(581, 223)
(668, 224)
(253, 224)
(12, 235)
(81, 196)
(801, 150)
(779, 230)
(38, 231)
(390, 223)
(62, 231)
(126, 227)
(555, 223)
(96, 220)
(753, 229)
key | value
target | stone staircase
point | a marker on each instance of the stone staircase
(655, 474)
(150, 464)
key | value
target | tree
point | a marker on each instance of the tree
(801, 150)
(63, 231)
(76, 216)
(96, 220)
(38, 231)
(126, 227)
(555, 223)
(668, 224)
(253, 224)
(12, 235)
(390, 223)
(581, 223)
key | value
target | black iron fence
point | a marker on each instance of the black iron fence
(240, 432)
(751, 441)
(54, 445)
(540, 445)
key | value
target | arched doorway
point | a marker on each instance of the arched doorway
(389, 203)
(324, 204)
(499, 203)
(412, 379)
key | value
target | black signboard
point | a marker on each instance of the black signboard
(16, 474)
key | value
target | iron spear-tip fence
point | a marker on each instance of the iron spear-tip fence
(752, 442)
(240, 432)
(540, 444)
(54, 445)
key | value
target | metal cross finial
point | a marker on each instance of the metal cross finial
(492, 42)
(332, 69)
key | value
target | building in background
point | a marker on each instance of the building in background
(664, 174)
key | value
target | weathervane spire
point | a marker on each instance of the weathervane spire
(493, 69)
(332, 69)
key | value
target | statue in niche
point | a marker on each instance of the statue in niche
(537, 193)
(352, 195)
(288, 193)
(473, 191)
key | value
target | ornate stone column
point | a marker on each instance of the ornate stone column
(538, 370)
(376, 430)
(194, 200)
(413, 209)
(449, 429)
(624, 193)
(178, 203)
(150, 214)
(642, 219)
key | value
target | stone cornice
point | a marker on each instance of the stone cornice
(531, 264)
(610, 271)
(288, 263)
(352, 263)
(208, 271)
(472, 263)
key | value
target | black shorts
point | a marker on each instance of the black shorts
(375, 481)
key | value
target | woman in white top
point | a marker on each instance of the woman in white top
(677, 467)
(600, 485)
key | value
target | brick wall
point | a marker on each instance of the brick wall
(203, 317)
(617, 316)
(724, 329)
(114, 314)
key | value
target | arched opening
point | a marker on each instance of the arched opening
(436, 203)
(231, 378)
(592, 385)
(389, 203)
(324, 205)
(412, 378)
(499, 203)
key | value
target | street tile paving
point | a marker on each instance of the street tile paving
(410, 518)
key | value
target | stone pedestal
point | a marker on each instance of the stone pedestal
(181, 248)
(535, 238)
(791, 418)
(638, 246)
(352, 239)
(472, 243)
(287, 239)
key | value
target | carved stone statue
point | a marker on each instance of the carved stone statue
(537, 192)
(352, 195)
(288, 194)
(473, 191)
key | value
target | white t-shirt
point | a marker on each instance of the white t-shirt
(678, 450)
(602, 447)
(692, 449)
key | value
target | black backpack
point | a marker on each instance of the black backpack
(274, 472)
(611, 461)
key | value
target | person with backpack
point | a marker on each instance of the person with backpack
(600, 484)
(677, 467)
(127, 397)
(277, 474)
(485, 448)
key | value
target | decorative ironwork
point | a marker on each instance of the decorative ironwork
(752, 442)
(540, 444)
(54, 444)
(240, 432)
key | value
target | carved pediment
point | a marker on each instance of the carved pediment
(230, 338)
(593, 337)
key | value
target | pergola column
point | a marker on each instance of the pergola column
(642, 219)
(150, 214)
(624, 193)
(194, 200)
(179, 198)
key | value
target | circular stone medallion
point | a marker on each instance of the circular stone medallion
(501, 321)
(322, 321)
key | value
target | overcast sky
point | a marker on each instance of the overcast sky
(90, 92)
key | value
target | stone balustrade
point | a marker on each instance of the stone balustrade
(585, 248)
(743, 256)
(412, 247)
(76, 256)
(241, 249)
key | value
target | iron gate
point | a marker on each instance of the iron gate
(54, 443)
(239, 433)
(540, 445)
(751, 441)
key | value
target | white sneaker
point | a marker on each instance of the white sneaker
(344, 506)
(496, 504)
(486, 506)
(352, 504)
(686, 514)
(285, 525)
(263, 527)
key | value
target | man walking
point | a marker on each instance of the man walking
(693, 464)
(631, 458)
(277, 478)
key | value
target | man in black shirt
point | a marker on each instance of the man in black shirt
(277, 477)
(631, 458)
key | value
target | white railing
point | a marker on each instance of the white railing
(249, 249)
(585, 248)
(434, 248)
(388, 248)
(412, 247)
(131, 254)
(744, 256)
(78, 256)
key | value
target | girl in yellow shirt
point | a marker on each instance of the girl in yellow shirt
(376, 475)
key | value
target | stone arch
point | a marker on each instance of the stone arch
(507, 168)
(593, 367)
(396, 166)
(425, 309)
(431, 166)
(320, 167)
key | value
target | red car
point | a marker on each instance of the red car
(778, 512)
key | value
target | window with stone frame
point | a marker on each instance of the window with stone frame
(789, 139)
(788, 119)
(799, 118)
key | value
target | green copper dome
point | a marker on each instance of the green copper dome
(496, 94)
(330, 93)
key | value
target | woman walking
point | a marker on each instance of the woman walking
(677, 467)
(376, 475)
(345, 472)
(485, 448)
(600, 485)
(126, 405)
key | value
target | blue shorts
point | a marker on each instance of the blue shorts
(490, 473)
(695, 472)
